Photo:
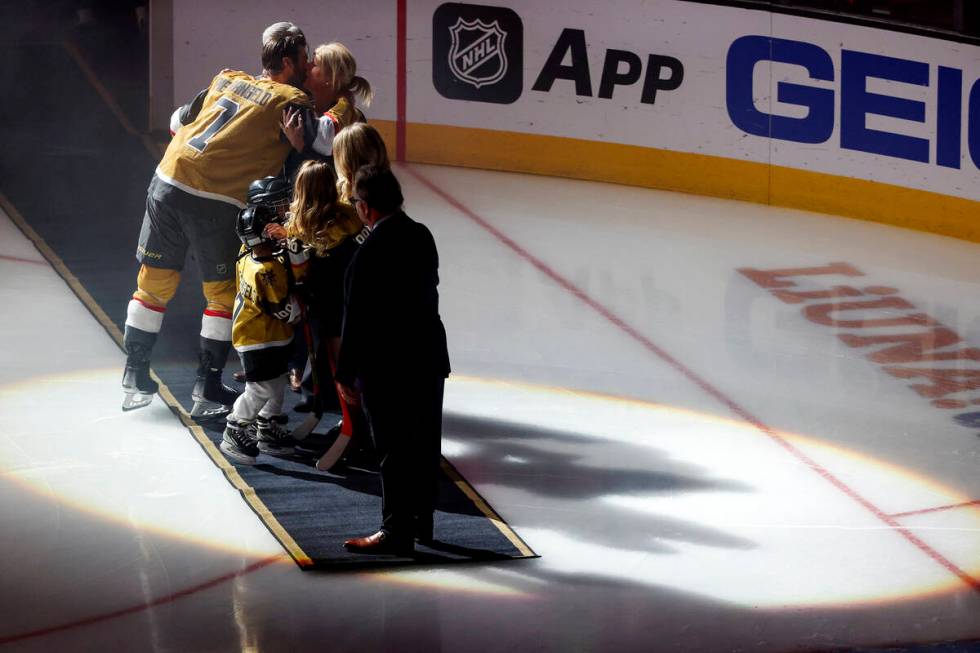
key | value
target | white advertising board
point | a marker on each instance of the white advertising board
(737, 84)
(690, 118)
(884, 87)
(210, 36)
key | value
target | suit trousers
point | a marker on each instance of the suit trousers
(405, 415)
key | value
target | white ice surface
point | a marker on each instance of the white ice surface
(665, 521)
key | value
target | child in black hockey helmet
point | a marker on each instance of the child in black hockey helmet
(271, 192)
(275, 193)
(262, 334)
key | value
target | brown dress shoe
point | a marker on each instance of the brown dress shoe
(381, 543)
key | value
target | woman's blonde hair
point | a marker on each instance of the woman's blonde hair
(314, 206)
(355, 146)
(343, 70)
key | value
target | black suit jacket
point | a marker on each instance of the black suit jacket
(391, 327)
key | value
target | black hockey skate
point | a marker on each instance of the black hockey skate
(137, 385)
(211, 397)
(273, 437)
(238, 443)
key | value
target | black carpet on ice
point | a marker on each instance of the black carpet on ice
(79, 180)
(320, 510)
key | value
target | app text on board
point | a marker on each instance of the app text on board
(478, 55)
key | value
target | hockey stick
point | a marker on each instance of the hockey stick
(339, 446)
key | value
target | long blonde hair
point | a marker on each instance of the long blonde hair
(355, 146)
(343, 70)
(314, 206)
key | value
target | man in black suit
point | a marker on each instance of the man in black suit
(393, 350)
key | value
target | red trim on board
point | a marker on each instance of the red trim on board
(402, 37)
(169, 598)
(158, 309)
(937, 509)
(711, 390)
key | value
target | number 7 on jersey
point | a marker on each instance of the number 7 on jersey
(227, 110)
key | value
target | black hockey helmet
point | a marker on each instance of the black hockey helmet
(251, 223)
(272, 192)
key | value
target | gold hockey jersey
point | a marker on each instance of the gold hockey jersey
(234, 139)
(262, 305)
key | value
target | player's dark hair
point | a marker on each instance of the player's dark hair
(379, 189)
(282, 46)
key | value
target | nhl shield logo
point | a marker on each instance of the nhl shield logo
(477, 55)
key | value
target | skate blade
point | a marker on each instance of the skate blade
(204, 409)
(237, 456)
(132, 401)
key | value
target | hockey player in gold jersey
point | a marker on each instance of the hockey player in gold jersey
(230, 134)
(206, 156)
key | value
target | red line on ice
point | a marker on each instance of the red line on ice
(937, 509)
(169, 598)
(17, 259)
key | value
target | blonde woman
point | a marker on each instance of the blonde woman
(355, 147)
(335, 86)
(323, 235)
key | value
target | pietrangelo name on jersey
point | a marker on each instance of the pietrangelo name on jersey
(244, 90)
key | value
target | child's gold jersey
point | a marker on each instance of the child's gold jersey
(262, 305)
